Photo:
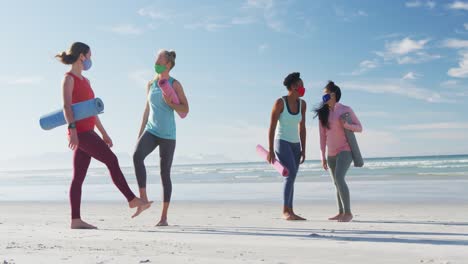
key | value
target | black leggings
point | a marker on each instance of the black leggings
(146, 144)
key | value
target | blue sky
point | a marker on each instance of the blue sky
(402, 66)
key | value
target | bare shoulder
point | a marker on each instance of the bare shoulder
(279, 105)
(177, 85)
(68, 79)
(279, 102)
(303, 103)
(148, 85)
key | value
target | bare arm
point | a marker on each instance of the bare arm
(275, 114)
(145, 113)
(67, 91)
(302, 130)
(100, 127)
(323, 141)
(183, 106)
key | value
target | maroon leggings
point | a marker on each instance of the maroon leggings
(91, 145)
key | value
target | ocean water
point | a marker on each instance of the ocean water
(425, 178)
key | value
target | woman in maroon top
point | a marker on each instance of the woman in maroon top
(82, 139)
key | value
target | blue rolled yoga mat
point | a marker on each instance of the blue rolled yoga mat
(80, 110)
(355, 151)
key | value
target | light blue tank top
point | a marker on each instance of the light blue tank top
(161, 122)
(288, 124)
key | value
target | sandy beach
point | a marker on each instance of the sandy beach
(235, 232)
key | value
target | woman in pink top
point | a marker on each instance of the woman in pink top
(332, 138)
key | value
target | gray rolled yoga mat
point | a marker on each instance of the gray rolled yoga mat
(357, 157)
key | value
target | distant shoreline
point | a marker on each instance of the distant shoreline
(236, 163)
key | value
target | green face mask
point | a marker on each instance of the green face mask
(159, 68)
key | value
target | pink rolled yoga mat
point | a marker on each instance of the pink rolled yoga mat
(170, 92)
(276, 164)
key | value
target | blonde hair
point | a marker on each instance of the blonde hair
(170, 56)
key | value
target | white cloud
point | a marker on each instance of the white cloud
(431, 4)
(28, 80)
(466, 26)
(155, 14)
(398, 87)
(434, 126)
(459, 5)
(126, 29)
(411, 76)
(209, 24)
(406, 45)
(213, 23)
(349, 15)
(259, 3)
(407, 51)
(449, 83)
(456, 43)
(449, 136)
(413, 4)
(378, 142)
(271, 13)
(418, 57)
(428, 4)
(365, 66)
(462, 70)
(389, 36)
(243, 20)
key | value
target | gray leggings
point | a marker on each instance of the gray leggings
(339, 165)
(146, 144)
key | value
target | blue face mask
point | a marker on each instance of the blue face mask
(326, 98)
(87, 63)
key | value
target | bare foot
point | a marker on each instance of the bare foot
(137, 202)
(299, 218)
(346, 218)
(288, 216)
(336, 217)
(162, 223)
(142, 208)
(80, 224)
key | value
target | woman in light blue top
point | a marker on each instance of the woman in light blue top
(158, 129)
(289, 114)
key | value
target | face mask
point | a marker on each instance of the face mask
(301, 91)
(87, 63)
(326, 98)
(159, 68)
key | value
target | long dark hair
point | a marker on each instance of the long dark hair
(73, 53)
(323, 111)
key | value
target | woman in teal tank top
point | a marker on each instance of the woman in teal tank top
(288, 119)
(158, 129)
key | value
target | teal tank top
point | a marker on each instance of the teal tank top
(288, 123)
(161, 122)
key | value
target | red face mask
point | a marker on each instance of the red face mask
(301, 91)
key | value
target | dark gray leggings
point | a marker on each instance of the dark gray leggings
(339, 165)
(146, 144)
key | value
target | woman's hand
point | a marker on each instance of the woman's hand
(271, 157)
(344, 122)
(168, 100)
(73, 139)
(303, 156)
(325, 164)
(108, 140)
